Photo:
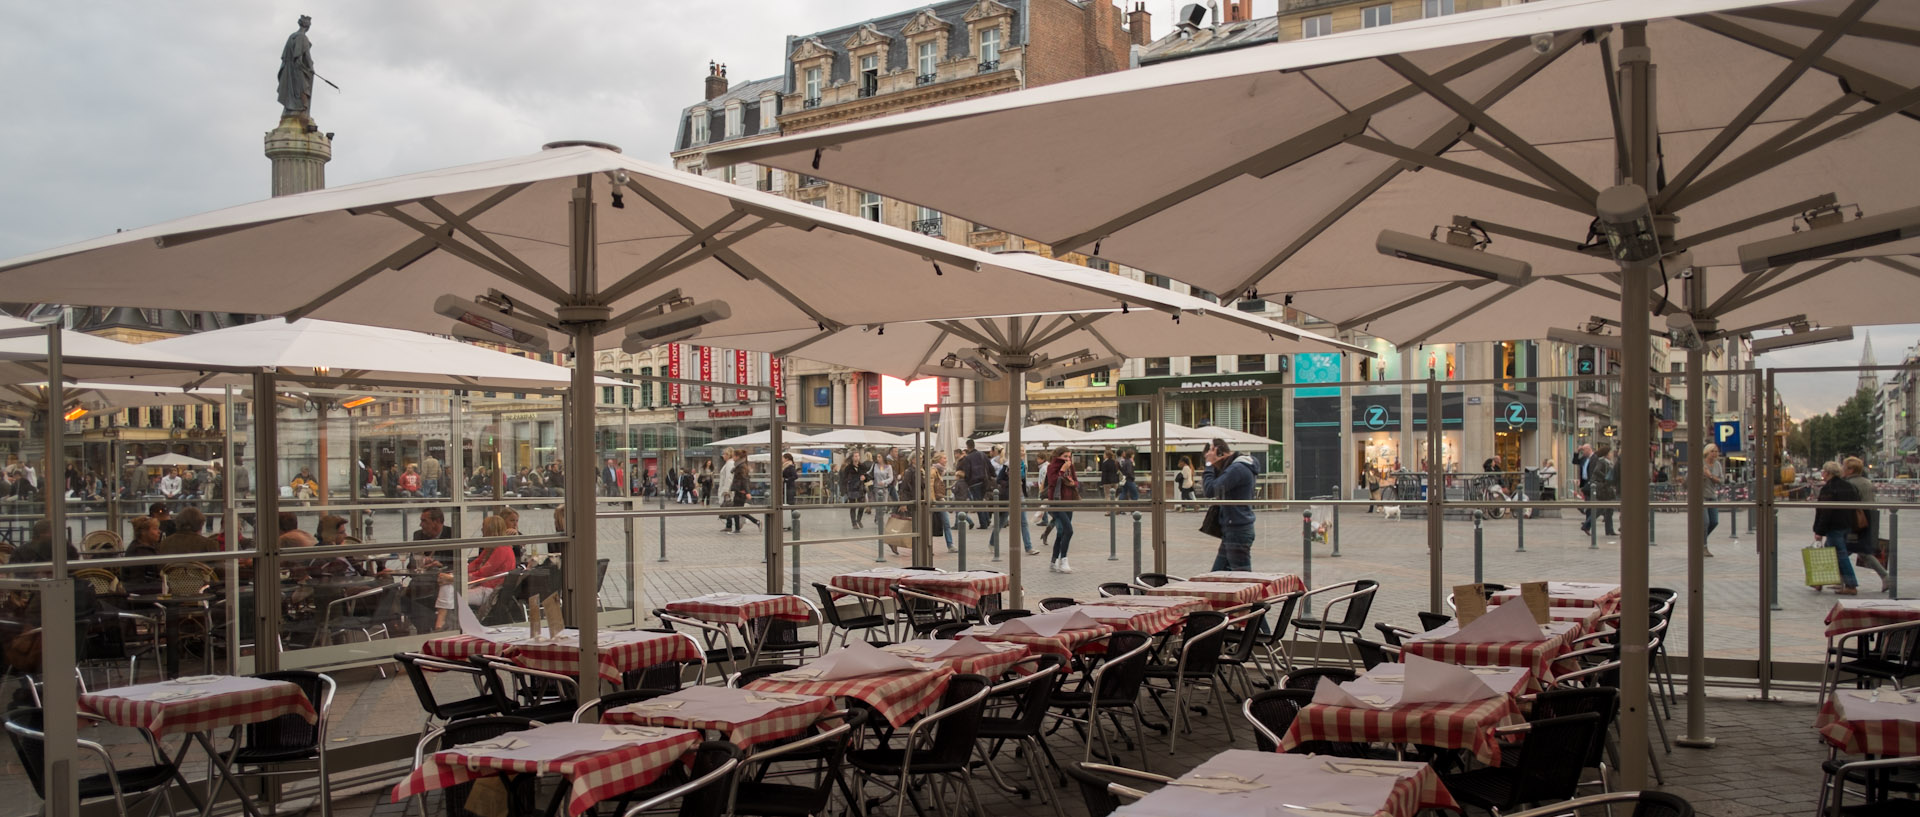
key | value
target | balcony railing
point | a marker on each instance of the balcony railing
(810, 102)
(927, 226)
(993, 65)
(925, 79)
(811, 181)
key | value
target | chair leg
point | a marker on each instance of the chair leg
(1173, 721)
(1141, 729)
(1219, 701)
(1037, 761)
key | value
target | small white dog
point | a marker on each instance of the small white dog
(1391, 511)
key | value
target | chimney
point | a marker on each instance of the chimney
(1140, 25)
(1239, 11)
(716, 80)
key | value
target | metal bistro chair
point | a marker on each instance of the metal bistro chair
(26, 730)
(1645, 804)
(1110, 589)
(285, 745)
(1101, 787)
(1112, 680)
(715, 763)
(1547, 768)
(1272, 713)
(741, 679)
(1889, 652)
(720, 648)
(1202, 637)
(919, 613)
(1835, 775)
(1052, 603)
(416, 666)
(825, 751)
(1155, 580)
(520, 789)
(1374, 653)
(843, 626)
(1433, 621)
(1359, 601)
(523, 692)
(939, 744)
(772, 635)
(1029, 693)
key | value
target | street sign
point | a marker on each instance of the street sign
(1726, 435)
(1669, 425)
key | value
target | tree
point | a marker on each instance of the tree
(1847, 432)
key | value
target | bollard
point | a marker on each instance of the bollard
(1479, 543)
(963, 552)
(1593, 532)
(1113, 539)
(1651, 513)
(1334, 535)
(1520, 522)
(1733, 524)
(1893, 553)
(663, 539)
(796, 552)
(1136, 545)
(1306, 548)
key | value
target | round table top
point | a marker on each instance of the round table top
(157, 598)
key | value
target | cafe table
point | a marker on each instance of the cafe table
(897, 696)
(1848, 615)
(1466, 725)
(1276, 583)
(993, 664)
(621, 651)
(1884, 722)
(746, 717)
(599, 761)
(1246, 783)
(965, 587)
(738, 610)
(1606, 597)
(1061, 644)
(1145, 618)
(1218, 594)
(174, 610)
(1556, 639)
(194, 707)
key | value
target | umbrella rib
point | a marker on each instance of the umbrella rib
(1461, 316)
(1077, 324)
(1444, 95)
(1436, 142)
(1724, 230)
(1895, 264)
(1755, 161)
(999, 339)
(1556, 197)
(1542, 239)
(1788, 75)
(642, 275)
(1732, 297)
(1802, 19)
(398, 259)
(931, 349)
(817, 337)
(716, 248)
(1396, 306)
(746, 269)
(1586, 287)
(1773, 289)
(1033, 328)
(533, 278)
(442, 237)
(1102, 339)
(1499, 152)
(964, 331)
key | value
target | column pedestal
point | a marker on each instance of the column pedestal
(299, 152)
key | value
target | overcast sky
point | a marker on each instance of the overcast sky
(122, 113)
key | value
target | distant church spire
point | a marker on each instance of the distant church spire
(1868, 379)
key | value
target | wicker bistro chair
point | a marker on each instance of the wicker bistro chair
(186, 578)
(101, 544)
(105, 582)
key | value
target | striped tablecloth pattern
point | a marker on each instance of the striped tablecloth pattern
(1848, 615)
(1276, 583)
(965, 587)
(220, 702)
(621, 651)
(1466, 726)
(992, 665)
(725, 710)
(1889, 727)
(596, 769)
(896, 696)
(739, 608)
(1538, 656)
(1219, 594)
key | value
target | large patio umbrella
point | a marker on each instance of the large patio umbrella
(23, 353)
(350, 350)
(1142, 432)
(759, 438)
(1038, 434)
(1518, 118)
(173, 460)
(575, 242)
(842, 437)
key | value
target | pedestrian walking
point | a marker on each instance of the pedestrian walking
(855, 476)
(1231, 477)
(1184, 480)
(1836, 525)
(1109, 476)
(1603, 485)
(1060, 485)
(1715, 472)
(1865, 544)
(974, 470)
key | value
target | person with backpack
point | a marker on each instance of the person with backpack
(974, 469)
(1230, 477)
(1603, 485)
(1060, 485)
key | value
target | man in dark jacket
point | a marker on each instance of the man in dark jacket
(1231, 477)
(974, 470)
(1836, 525)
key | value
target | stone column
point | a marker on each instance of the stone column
(299, 152)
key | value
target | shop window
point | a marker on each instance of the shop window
(1203, 364)
(1100, 378)
(1159, 366)
(1251, 363)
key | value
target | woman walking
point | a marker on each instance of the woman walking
(1060, 485)
(1184, 480)
(1836, 525)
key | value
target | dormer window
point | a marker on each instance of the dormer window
(990, 49)
(870, 75)
(813, 87)
(698, 120)
(769, 108)
(927, 58)
(735, 110)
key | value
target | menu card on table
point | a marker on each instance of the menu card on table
(1536, 596)
(1469, 602)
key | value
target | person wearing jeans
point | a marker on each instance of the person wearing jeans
(1835, 525)
(1060, 485)
(1230, 477)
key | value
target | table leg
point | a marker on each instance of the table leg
(225, 774)
(185, 787)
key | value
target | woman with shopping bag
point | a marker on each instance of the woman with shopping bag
(1835, 525)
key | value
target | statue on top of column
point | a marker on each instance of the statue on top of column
(296, 72)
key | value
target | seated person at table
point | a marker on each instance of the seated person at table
(485, 572)
(333, 531)
(433, 527)
(158, 512)
(146, 542)
(291, 536)
(39, 547)
(186, 537)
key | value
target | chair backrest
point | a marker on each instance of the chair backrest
(1272, 712)
(1202, 636)
(104, 581)
(1052, 603)
(919, 610)
(615, 700)
(1553, 756)
(415, 664)
(100, 542)
(1433, 621)
(1122, 669)
(829, 609)
(1111, 589)
(289, 733)
(1035, 680)
(1361, 604)
(1310, 677)
(1646, 804)
(754, 673)
(1246, 639)
(999, 616)
(1284, 604)
(957, 722)
(185, 578)
(1392, 636)
(1372, 653)
(715, 763)
(1602, 701)
(950, 630)
(829, 745)
(1101, 788)
(26, 730)
(1154, 579)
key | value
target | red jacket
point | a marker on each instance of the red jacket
(494, 562)
(1060, 483)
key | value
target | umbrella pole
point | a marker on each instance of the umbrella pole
(1016, 482)
(1696, 737)
(59, 691)
(582, 524)
(1637, 111)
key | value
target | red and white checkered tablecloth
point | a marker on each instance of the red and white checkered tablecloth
(1889, 727)
(226, 700)
(1061, 645)
(1538, 656)
(1448, 726)
(1276, 583)
(896, 696)
(992, 665)
(1606, 597)
(965, 587)
(595, 768)
(1146, 619)
(620, 651)
(731, 712)
(1219, 594)
(1848, 615)
(739, 608)
(1387, 789)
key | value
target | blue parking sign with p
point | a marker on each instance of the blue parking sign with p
(1726, 435)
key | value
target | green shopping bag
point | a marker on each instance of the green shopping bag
(1823, 565)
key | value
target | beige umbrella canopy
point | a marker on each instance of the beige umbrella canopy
(23, 355)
